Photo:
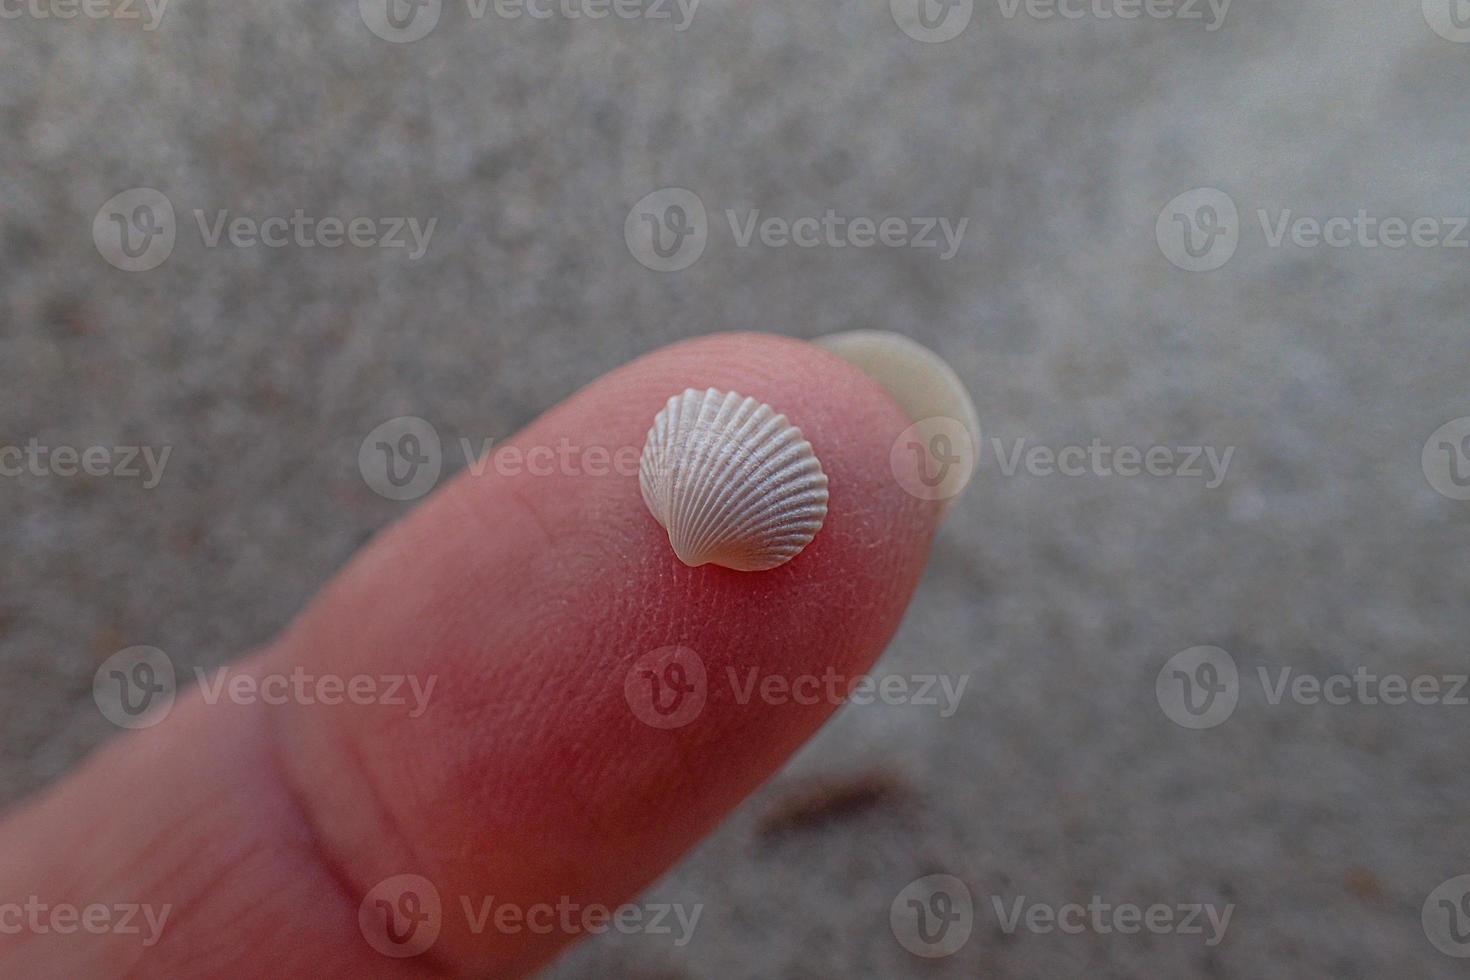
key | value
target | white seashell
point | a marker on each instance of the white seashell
(733, 482)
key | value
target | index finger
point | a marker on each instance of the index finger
(540, 604)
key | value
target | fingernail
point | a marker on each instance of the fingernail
(926, 388)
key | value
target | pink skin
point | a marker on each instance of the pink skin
(530, 778)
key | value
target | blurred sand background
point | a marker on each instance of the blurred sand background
(1325, 548)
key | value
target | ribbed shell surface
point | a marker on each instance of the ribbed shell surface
(732, 481)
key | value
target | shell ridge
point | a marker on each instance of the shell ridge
(726, 453)
(652, 470)
(732, 481)
(753, 509)
(694, 405)
(717, 488)
(748, 448)
(702, 452)
(776, 466)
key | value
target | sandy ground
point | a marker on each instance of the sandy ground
(1324, 549)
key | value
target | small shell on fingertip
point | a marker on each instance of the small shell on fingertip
(732, 481)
